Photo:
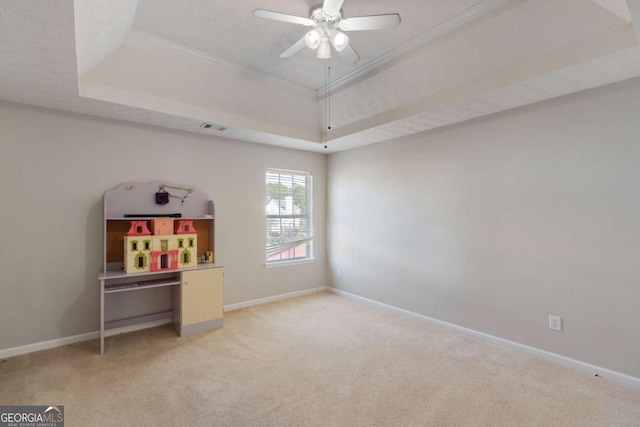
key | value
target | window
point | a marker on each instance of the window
(289, 215)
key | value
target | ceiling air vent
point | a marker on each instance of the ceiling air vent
(216, 127)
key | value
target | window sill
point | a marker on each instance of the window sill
(277, 264)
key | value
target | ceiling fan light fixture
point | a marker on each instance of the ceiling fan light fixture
(339, 40)
(327, 25)
(312, 39)
(324, 49)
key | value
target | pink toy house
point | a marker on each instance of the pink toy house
(161, 250)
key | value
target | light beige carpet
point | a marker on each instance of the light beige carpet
(321, 360)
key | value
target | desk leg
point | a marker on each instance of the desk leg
(101, 316)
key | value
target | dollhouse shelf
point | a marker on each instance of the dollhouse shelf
(196, 290)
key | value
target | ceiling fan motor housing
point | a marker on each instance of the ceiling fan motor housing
(325, 31)
(317, 14)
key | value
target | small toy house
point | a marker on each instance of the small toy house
(163, 250)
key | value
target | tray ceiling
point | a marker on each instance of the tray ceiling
(228, 30)
(179, 64)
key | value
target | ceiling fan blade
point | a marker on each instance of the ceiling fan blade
(297, 47)
(332, 7)
(277, 16)
(349, 54)
(373, 22)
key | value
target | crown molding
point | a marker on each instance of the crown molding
(144, 37)
(438, 31)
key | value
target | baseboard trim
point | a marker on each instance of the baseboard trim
(536, 352)
(45, 345)
(259, 301)
(59, 342)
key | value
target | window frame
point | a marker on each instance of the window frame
(309, 258)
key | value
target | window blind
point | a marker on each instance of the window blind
(289, 213)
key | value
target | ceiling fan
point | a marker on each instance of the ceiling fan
(327, 26)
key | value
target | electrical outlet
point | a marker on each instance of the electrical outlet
(339, 274)
(555, 323)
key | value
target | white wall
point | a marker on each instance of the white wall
(54, 170)
(498, 222)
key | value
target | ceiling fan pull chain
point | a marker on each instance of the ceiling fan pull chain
(325, 103)
(329, 89)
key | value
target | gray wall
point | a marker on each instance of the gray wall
(54, 170)
(498, 222)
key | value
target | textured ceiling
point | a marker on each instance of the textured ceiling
(101, 27)
(227, 29)
(213, 61)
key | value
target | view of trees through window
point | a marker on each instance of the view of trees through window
(289, 219)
